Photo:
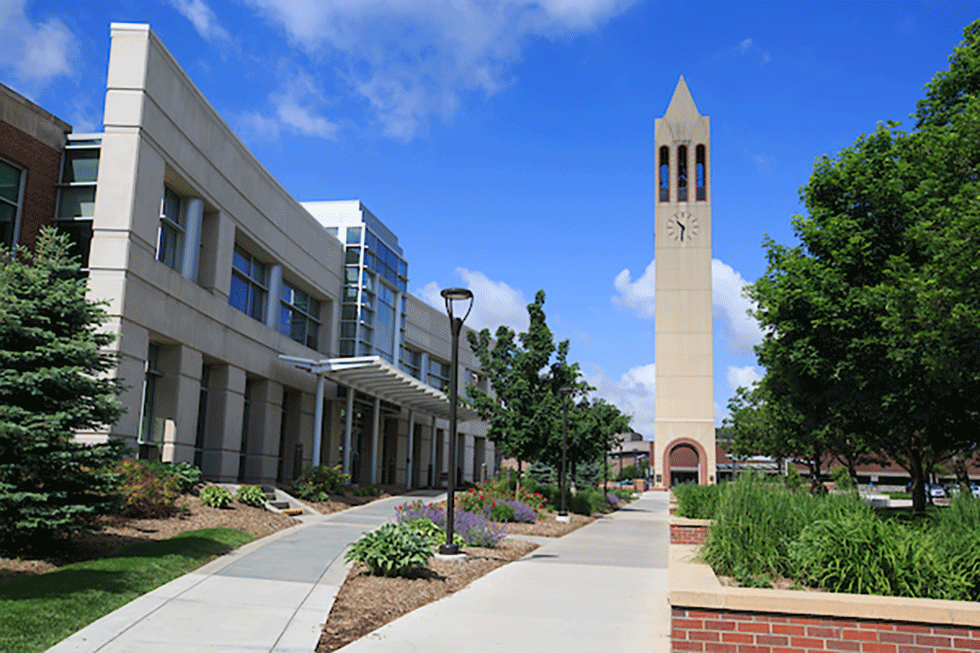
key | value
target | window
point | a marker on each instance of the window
(682, 173)
(700, 173)
(664, 174)
(202, 415)
(299, 316)
(412, 362)
(249, 285)
(438, 374)
(10, 199)
(353, 235)
(149, 430)
(246, 418)
(76, 195)
(171, 245)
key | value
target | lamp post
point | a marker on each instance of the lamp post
(455, 326)
(563, 513)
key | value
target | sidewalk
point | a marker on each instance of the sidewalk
(271, 595)
(600, 588)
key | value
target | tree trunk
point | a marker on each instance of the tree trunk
(918, 482)
(962, 477)
(517, 487)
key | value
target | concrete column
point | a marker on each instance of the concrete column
(224, 249)
(396, 330)
(432, 452)
(275, 295)
(264, 430)
(228, 392)
(348, 427)
(411, 448)
(179, 445)
(193, 213)
(321, 381)
(375, 433)
(425, 373)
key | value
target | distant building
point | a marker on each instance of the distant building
(31, 145)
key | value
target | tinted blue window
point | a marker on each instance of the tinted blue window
(238, 297)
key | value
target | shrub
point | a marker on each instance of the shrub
(858, 553)
(502, 512)
(696, 501)
(251, 495)
(368, 491)
(185, 474)
(474, 529)
(756, 522)
(144, 495)
(392, 550)
(318, 483)
(216, 496)
(477, 530)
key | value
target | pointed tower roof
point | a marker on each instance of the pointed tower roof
(681, 109)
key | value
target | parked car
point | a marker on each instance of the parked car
(936, 491)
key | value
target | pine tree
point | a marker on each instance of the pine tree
(53, 365)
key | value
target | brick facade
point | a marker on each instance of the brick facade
(732, 631)
(41, 166)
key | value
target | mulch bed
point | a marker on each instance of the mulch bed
(365, 602)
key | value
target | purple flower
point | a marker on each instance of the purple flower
(474, 528)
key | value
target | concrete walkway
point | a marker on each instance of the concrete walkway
(601, 588)
(271, 595)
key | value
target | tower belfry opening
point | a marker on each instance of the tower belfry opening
(684, 425)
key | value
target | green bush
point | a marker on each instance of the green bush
(367, 491)
(318, 483)
(251, 495)
(859, 553)
(502, 512)
(756, 521)
(216, 497)
(696, 501)
(392, 550)
(143, 493)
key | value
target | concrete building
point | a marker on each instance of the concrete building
(236, 307)
(31, 145)
(684, 423)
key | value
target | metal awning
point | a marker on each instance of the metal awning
(375, 376)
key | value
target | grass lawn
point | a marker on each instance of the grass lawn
(37, 612)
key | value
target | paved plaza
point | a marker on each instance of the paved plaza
(600, 588)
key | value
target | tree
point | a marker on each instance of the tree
(520, 410)
(871, 323)
(52, 383)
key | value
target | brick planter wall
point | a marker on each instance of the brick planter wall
(733, 631)
(684, 534)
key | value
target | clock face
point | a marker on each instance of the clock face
(682, 226)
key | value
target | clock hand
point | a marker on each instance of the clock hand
(681, 225)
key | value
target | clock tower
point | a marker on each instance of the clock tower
(684, 426)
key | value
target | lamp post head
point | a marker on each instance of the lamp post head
(457, 294)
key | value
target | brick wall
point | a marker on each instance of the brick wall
(41, 164)
(683, 534)
(730, 631)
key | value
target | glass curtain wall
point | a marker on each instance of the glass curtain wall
(374, 277)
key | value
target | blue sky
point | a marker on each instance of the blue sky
(508, 143)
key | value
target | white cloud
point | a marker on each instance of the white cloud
(744, 46)
(633, 393)
(636, 296)
(750, 47)
(411, 60)
(494, 302)
(35, 52)
(203, 18)
(743, 377)
(297, 109)
(726, 298)
(730, 304)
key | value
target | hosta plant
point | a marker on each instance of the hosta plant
(250, 495)
(215, 496)
(392, 550)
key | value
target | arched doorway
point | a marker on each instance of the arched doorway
(685, 462)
